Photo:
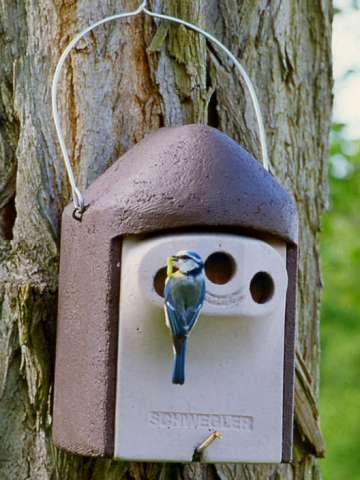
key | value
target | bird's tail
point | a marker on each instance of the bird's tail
(180, 344)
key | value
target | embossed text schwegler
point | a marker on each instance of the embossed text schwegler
(239, 423)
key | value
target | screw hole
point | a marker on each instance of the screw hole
(262, 287)
(220, 268)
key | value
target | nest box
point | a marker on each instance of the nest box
(190, 187)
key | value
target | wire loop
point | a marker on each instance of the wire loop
(78, 199)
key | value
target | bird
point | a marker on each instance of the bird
(184, 298)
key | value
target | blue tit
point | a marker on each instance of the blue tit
(184, 298)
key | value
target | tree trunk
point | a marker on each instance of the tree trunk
(125, 79)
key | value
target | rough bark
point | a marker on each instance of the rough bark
(121, 82)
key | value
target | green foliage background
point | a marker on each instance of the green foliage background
(340, 319)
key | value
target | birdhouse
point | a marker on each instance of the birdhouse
(185, 188)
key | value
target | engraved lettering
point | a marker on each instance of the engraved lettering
(165, 419)
(191, 420)
(153, 419)
(178, 419)
(240, 423)
(204, 421)
(237, 422)
(225, 300)
(247, 424)
(227, 422)
(215, 421)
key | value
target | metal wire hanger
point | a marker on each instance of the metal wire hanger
(77, 196)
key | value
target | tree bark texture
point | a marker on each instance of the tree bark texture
(122, 81)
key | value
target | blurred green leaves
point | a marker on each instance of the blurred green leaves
(340, 5)
(340, 313)
(341, 225)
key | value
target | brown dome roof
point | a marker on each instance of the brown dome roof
(192, 176)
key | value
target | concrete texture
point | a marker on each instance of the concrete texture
(234, 366)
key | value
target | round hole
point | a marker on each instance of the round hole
(159, 281)
(262, 287)
(220, 267)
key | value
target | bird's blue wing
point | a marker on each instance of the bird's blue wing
(174, 315)
(183, 309)
(192, 312)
